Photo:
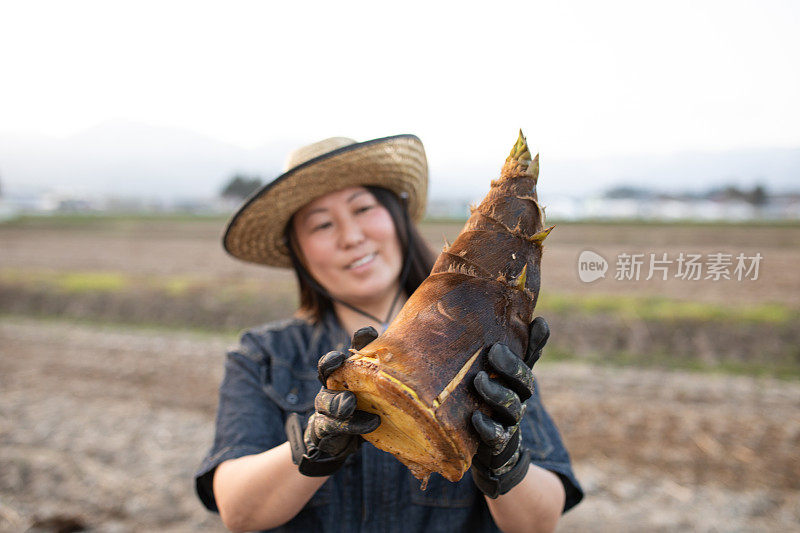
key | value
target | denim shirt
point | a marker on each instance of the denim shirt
(274, 372)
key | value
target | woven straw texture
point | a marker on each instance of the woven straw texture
(398, 163)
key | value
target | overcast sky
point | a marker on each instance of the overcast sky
(583, 79)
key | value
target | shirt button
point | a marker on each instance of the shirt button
(292, 398)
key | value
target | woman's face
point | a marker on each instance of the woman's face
(349, 244)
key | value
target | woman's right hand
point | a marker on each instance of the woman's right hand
(333, 431)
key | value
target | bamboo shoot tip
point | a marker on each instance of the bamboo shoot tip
(520, 151)
(523, 277)
(542, 235)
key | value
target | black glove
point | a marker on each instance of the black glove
(501, 461)
(321, 445)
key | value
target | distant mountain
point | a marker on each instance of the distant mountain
(124, 158)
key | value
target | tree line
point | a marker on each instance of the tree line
(241, 186)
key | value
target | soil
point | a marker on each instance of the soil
(102, 427)
(188, 249)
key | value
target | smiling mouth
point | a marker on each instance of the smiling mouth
(363, 261)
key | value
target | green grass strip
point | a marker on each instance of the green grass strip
(654, 308)
(783, 369)
(666, 309)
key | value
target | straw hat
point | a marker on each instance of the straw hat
(256, 231)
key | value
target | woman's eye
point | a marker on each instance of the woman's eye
(324, 225)
(364, 208)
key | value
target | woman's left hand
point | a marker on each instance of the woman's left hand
(501, 462)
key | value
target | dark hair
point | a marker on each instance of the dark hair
(314, 304)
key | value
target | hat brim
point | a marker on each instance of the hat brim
(256, 232)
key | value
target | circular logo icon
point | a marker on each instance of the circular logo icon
(591, 266)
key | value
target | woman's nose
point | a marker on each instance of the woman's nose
(352, 234)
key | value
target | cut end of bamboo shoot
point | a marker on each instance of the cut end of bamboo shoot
(409, 428)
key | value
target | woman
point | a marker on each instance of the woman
(288, 454)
